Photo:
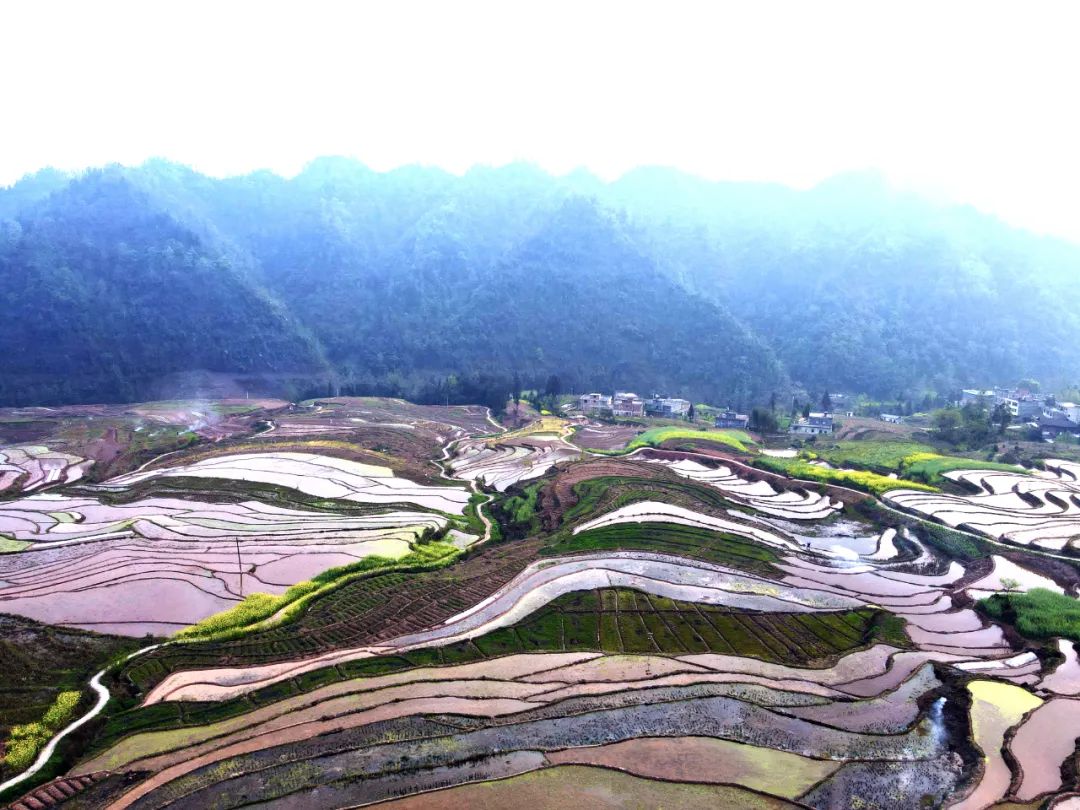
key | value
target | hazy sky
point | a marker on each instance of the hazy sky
(972, 101)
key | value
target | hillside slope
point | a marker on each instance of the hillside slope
(859, 287)
(353, 280)
(104, 294)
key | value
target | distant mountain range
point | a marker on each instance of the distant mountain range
(119, 283)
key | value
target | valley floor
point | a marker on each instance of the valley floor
(363, 601)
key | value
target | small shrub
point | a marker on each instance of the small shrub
(1010, 584)
(26, 740)
(62, 709)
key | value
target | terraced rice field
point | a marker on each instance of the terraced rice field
(320, 476)
(514, 457)
(604, 437)
(669, 628)
(46, 447)
(1040, 510)
(144, 584)
(760, 496)
(528, 703)
(155, 565)
(34, 466)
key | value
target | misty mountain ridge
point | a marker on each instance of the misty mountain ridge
(343, 278)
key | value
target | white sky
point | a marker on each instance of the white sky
(970, 101)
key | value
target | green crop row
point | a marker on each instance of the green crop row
(930, 467)
(875, 456)
(671, 538)
(912, 460)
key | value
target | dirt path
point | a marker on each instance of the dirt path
(50, 748)
(491, 419)
(473, 485)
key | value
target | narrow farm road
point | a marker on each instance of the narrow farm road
(480, 510)
(473, 485)
(50, 748)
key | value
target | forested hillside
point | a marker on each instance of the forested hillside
(862, 288)
(104, 293)
(420, 283)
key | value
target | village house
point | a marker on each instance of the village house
(730, 419)
(592, 403)
(891, 418)
(1020, 403)
(976, 396)
(815, 424)
(1052, 425)
(668, 407)
(626, 403)
(1022, 407)
(1071, 411)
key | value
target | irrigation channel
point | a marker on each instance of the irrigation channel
(50, 747)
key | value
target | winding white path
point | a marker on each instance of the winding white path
(50, 748)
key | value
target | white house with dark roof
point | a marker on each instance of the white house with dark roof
(816, 424)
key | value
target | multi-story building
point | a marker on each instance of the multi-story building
(669, 407)
(591, 403)
(1071, 411)
(626, 403)
(977, 396)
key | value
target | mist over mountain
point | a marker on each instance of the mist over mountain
(420, 283)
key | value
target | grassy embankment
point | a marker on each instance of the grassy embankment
(9, 545)
(1039, 613)
(259, 611)
(654, 437)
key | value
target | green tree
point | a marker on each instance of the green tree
(554, 387)
(947, 423)
(763, 420)
(1001, 417)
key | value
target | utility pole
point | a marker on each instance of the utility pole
(239, 565)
